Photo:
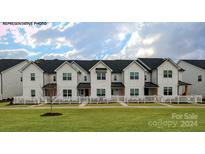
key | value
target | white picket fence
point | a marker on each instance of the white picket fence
(80, 99)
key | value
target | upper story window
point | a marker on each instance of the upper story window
(167, 90)
(115, 77)
(100, 92)
(33, 77)
(145, 78)
(167, 73)
(21, 79)
(134, 92)
(67, 76)
(134, 75)
(54, 78)
(67, 92)
(199, 78)
(33, 93)
(85, 78)
(101, 76)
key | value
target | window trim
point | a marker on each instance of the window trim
(33, 76)
(168, 91)
(134, 75)
(67, 92)
(167, 73)
(33, 90)
(134, 91)
(199, 78)
(101, 75)
(67, 76)
(100, 92)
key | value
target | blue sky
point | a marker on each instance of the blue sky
(103, 40)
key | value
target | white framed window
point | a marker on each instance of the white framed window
(199, 78)
(101, 76)
(33, 77)
(100, 92)
(54, 78)
(134, 92)
(167, 91)
(67, 76)
(67, 92)
(167, 73)
(33, 93)
(115, 77)
(85, 78)
(134, 75)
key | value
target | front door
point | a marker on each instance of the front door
(146, 91)
(86, 92)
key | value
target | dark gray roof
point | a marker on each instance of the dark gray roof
(198, 63)
(181, 83)
(117, 85)
(8, 63)
(152, 63)
(117, 66)
(84, 85)
(150, 85)
(48, 66)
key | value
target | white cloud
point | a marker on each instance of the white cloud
(72, 54)
(17, 53)
(151, 40)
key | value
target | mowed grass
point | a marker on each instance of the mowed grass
(8, 105)
(96, 120)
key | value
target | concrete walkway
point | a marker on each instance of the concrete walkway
(122, 103)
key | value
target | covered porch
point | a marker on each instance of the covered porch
(117, 89)
(50, 89)
(150, 89)
(84, 89)
(183, 88)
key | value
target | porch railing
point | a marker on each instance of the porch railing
(80, 99)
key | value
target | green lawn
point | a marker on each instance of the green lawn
(144, 104)
(97, 120)
(7, 105)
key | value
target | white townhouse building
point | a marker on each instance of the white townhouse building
(11, 77)
(194, 74)
(106, 78)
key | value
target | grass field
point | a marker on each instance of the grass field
(98, 120)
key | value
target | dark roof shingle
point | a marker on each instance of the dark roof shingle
(198, 63)
(8, 63)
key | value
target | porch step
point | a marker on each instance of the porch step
(122, 103)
